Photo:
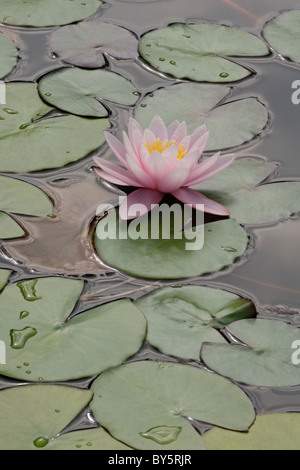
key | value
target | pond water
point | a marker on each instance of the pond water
(268, 273)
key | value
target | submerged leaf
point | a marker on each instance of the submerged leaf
(269, 432)
(229, 124)
(283, 34)
(44, 345)
(85, 44)
(4, 276)
(32, 415)
(81, 92)
(264, 357)
(181, 318)
(201, 52)
(8, 56)
(45, 12)
(30, 141)
(145, 404)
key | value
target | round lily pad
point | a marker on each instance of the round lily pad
(181, 318)
(269, 432)
(8, 57)
(45, 13)
(18, 197)
(240, 189)
(263, 358)
(201, 52)
(162, 258)
(283, 34)
(31, 415)
(42, 344)
(86, 44)
(146, 404)
(30, 141)
(81, 92)
(229, 124)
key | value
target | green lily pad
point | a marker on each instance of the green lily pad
(81, 92)
(8, 55)
(239, 189)
(45, 13)
(230, 124)
(269, 432)
(4, 276)
(224, 242)
(18, 197)
(42, 344)
(30, 141)
(283, 34)
(86, 44)
(265, 358)
(145, 404)
(181, 318)
(31, 415)
(88, 439)
(201, 52)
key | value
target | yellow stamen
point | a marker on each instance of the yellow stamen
(162, 146)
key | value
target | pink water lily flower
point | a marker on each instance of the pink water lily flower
(161, 160)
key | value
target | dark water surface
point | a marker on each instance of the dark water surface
(270, 271)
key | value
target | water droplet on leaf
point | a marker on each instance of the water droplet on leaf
(28, 290)
(23, 314)
(229, 249)
(41, 442)
(224, 75)
(162, 434)
(19, 338)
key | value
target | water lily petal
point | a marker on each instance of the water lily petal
(173, 180)
(135, 132)
(170, 157)
(142, 200)
(210, 168)
(172, 128)
(110, 178)
(197, 134)
(200, 143)
(156, 166)
(116, 146)
(139, 173)
(130, 150)
(193, 198)
(157, 126)
(180, 133)
(117, 172)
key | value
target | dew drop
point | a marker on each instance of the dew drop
(57, 411)
(162, 434)
(28, 290)
(78, 446)
(187, 36)
(162, 59)
(229, 249)
(28, 372)
(89, 444)
(143, 106)
(24, 126)
(23, 314)
(135, 93)
(41, 442)
(224, 75)
(48, 94)
(19, 338)
(2, 118)
(26, 364)
(10, 111)
(172, 62)
(148, 45)
(151, 95)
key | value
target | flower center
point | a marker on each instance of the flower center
(161, 146)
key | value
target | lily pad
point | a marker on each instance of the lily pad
(18, 197)
(230, 123)
(31, 141)
(31, 415)
(224, 242)
(264, 359)
(181, 318)
(145, 404)
(44, 345)
(269, 432)
(45, 13)
(4, 276)
(201, 52)
(239, 189)
(88, 439)
(283, 34)
(8, 55)
(81, 92)
(86, 44)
